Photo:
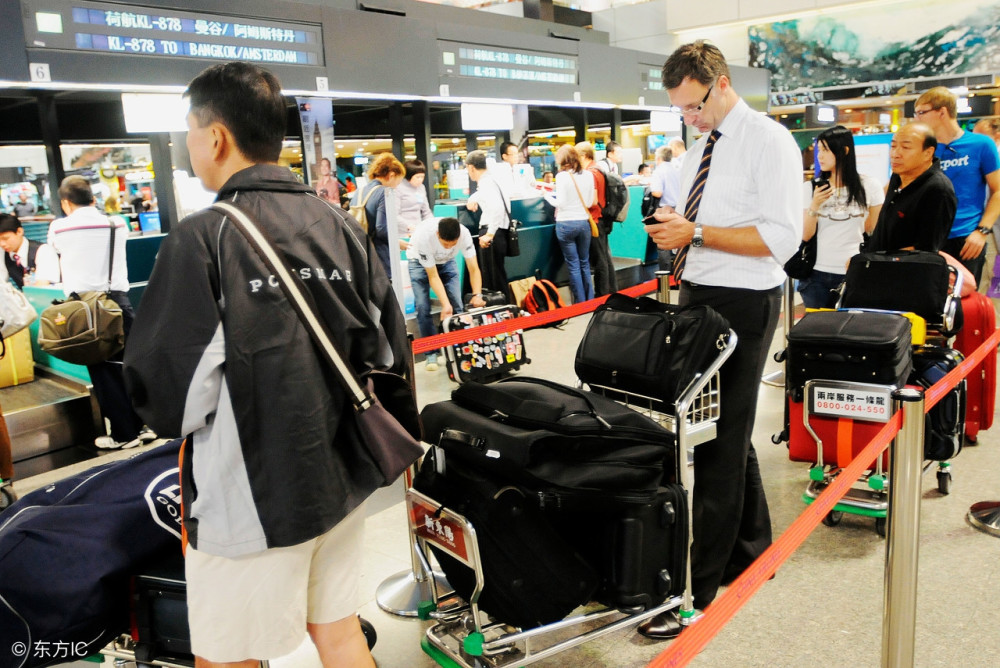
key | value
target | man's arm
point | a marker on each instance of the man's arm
(937, 207)
(975, 241)
(434, 279)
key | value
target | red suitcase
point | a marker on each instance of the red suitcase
(980, 322)
(842, 438)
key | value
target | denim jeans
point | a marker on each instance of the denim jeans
(815, 290)
(448, 272)
(574, 239)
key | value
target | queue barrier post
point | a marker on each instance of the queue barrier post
(779, 378)
(902, 543)
(663, 286)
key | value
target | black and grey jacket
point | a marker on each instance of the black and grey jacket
(216, 353)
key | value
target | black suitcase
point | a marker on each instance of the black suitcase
(544, 435)
(853, 346)
(533, 576)
(638, 549)
(161, 619)
(915, 281)
(646, 347)
(944, 423)
(488, 358)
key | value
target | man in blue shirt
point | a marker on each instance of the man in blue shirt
(972, 164)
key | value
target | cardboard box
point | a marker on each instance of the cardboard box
(17, 366)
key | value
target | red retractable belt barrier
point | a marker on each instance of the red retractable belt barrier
(694, 638)
(437, 341)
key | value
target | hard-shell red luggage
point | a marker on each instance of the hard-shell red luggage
(980, 322)
(842, 438)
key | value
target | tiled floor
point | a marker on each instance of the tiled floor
(824, 607)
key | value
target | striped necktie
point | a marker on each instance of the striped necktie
(694, 199)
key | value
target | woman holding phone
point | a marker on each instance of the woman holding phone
(843, 205)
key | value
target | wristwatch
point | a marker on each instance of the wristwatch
(697, 240)
(985, 230)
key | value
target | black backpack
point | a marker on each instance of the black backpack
(615, 199)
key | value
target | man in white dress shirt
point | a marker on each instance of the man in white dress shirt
(494, 225)
(748, 223)
(515, 182)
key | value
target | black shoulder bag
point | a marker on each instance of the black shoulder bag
(513, 243)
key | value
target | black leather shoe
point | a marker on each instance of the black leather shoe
(663, 626)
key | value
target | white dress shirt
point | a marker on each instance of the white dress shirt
(755, 180)
(82, 241)
(666, 180)
(494, 204)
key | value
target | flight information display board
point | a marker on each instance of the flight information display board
(507, 64)
(129, 29)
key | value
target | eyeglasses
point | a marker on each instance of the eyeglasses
(918, 114)
(695, 109)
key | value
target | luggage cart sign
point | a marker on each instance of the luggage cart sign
(439, 529)
(858, 401)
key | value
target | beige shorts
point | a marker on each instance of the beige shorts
(256, 606)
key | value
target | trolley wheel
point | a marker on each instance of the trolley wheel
(832, 518)
(880, 526)
(944, 482)
(7, 497)
(370, 635)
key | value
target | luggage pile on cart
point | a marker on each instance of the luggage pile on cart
(559, 514)
(843, 365)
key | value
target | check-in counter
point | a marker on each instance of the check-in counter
(629, 238)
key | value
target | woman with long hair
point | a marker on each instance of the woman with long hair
(843, 206)
(574, 195)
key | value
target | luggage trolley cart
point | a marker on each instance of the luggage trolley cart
(464, 637)
(863, 402)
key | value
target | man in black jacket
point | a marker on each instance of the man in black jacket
(274, 472)
(920, 201)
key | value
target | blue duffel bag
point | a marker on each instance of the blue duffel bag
(68, 550)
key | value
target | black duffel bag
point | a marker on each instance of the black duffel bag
(916, 281)
(646, 347)
(547, 436)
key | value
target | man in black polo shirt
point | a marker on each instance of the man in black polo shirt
(920, 201)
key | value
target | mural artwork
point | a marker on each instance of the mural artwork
(884, 43)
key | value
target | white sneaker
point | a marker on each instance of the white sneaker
(431, 365)
(146, 435)
(107, 443)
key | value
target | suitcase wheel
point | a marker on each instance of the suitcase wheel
(832, 518)
(370, 636)
(944, 482)
(880, 526)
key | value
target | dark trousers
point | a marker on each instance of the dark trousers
(601, 264)
(953, 247)
(109, 384)
(491, 262)
(732, 525)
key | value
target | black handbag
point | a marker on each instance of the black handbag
(801, 264)
(646, 347)
(390, 436)
(491, 297)
(513, 243)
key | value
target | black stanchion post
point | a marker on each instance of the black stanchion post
(906, 454)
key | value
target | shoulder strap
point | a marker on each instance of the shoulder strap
(364, 202)
(32, 253)
(300, 300)
(503, 200)
(111, 253)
